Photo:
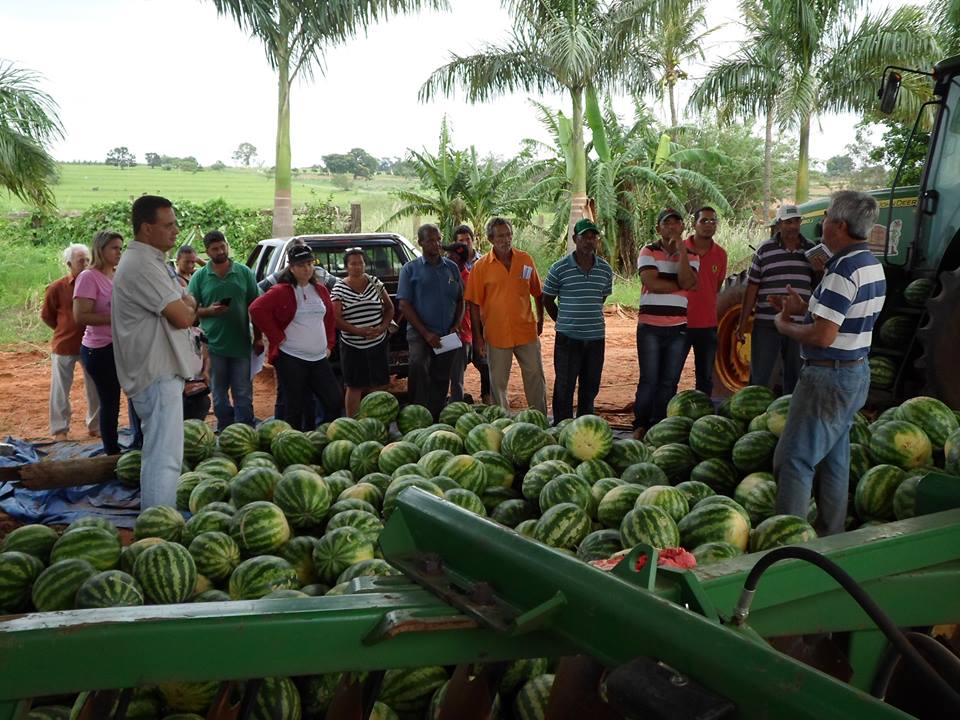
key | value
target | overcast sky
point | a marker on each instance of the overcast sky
(170, 76)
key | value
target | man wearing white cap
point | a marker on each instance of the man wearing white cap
(778, 262)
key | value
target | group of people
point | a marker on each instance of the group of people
(168, 333)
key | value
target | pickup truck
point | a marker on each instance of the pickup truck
(386, 253)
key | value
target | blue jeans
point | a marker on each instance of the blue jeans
(160, 407)
(766, 345)
(231, 374)
(704, 344)
(817, 439)
(660, 351)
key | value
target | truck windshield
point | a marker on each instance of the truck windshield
(944, 174)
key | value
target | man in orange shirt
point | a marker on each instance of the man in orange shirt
(501, 285)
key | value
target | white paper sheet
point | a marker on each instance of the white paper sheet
(256, 362)
(448, 343)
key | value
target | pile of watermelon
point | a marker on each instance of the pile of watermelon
(278, 513)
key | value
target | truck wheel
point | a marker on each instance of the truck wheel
(938, 337)
(731, 371)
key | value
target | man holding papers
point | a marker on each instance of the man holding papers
(431, 299)
(501, 285)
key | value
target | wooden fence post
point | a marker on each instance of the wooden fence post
(355, 220)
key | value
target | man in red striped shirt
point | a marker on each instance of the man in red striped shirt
(668, 273)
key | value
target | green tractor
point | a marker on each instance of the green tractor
(916, 344)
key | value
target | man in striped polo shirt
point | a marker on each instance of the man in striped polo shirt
(667, 273)
(581, 281)
(778, 262)
(834, 337)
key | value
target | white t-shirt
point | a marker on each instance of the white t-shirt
(306, 336)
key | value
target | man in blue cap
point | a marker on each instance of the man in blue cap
(581, 282)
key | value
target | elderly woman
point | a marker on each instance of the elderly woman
(297, 318)
(363, 311)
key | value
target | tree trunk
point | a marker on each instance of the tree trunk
(282, 193)
(768, 164)
(578, 191)
(673, 105)
(802, 193)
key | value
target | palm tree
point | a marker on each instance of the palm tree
(295, 35)
(945, 19)
(28, 121)
(568, 46)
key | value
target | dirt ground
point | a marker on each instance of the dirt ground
(25, 384)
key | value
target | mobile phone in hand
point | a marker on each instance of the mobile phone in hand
(225, 302)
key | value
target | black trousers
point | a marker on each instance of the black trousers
(429, 375)
(576, 363)
(298, 378)
(704, 344)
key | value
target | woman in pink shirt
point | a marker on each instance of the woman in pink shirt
(92, 294)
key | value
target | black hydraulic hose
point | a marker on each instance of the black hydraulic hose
(882, 621)
(938, 654)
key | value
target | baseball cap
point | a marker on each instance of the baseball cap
(298, 254)
(585, 225)
(457, 248)
(667, 213)
(786, 212)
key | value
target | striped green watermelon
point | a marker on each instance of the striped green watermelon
(346, 428)
(593, 470)
(599, 545)
(366, 522)
(367, 568)
(951, 454)
(645, 474)
(754, 451)
(402, 483)
(381, 481)
(649, 524)
(443, 440)
(883, 372)
(859, 464)
(748, 402)
(238, 440)
(303, 497)
(502, 423)
(208, 491)
(534, 416)
(380, 405)
(468, 472)
(873, 498)
(466, 499)
(692, 404)
(299, 553)
(780, 530)
(36, 540)
(669, 430)
(563, 526)
(363, 491)
(188, 697)
(160, 521)
(110, 588)
(777, 413)
(413, 469)
(18, 572)
(339, 549)
(205, 521)
(724, 500)
(351, 504)
(259, 528)
(336, 455)
(252, 484)
(259, 576)
(670, 499)
(211, 596)
(905, 498)
(129, 554)
(49, 712)
(932, 416)
(520, 441)
(339, 481)
(291, 447)
(695, 491)
(757, 493)
(166, 573)
(483, 437)
(260, 459)
(128, 468)
(99, 547)
(499, 470)
(215, 555)
(627, 452)
(566, 488)
(185, 485)
(198, 441)
(714, 552)
(268, 429)
(513, 511)
(554, 452)
(218, 465)
(897, 331)
(918, 291)
(714, 522)
(588, 437)
(364, 458)
(713, 436)
(527, 528)
(408, 690)
(758, 423)
(493, 496)
(495, 412)
(900, 443)
(602, 486)
(616, 503)
(539, 475)
(373, 429)
(859, 433)
(466, 422)
(676, 461)
(520, 671)
(432, 463)
(452, 412)
(93, 521)
(718, 474)
(56, 587)
(412, 417)
(531, 700)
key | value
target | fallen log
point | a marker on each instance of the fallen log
(51, 474)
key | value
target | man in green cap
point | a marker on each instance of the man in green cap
(581, 282)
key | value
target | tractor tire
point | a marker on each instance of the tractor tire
(938, 338)
(731, 370)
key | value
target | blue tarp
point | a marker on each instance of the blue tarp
(113, 500)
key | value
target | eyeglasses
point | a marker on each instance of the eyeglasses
(708, 221)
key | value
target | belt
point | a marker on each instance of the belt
(833, 363)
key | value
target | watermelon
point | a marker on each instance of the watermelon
(209, 490)
(670, 499)
(758, 423)
(218, 465)
(185, 485)
(593, 470)
(259, 528)
(859, 434)
(502, 423)
(883, 372)
(534, 416)
(159, 521)
(467, 471)
(128, 468)
(777, 413)
(646, 474)
(379, 480)
(714, 522)
(269, 429)
(466, 499)
(918, 291)
(757, 494)
(905, 498)
(363, 491)
(291, 447)
(669, 430)
(260, 459)
(513, 511)
(339, 549)
(713, 436)
(713, 552)
(366, 522)
(483, 437)
(951, 454)
(466, 422)
(18, 572)
(99, 547)
(754, 451)
(748, 402)
(599, 545)
(49, 712)
(616, 503)
(602, 486)
(695, 491)
(238, 440)
(285, 594)
(452, 412)
(413, 469)
(532, 699)
(932, 416)
(252, 484)
(491, 413)
(350, 504)
(398, 453)
(676, 461)
(566, 488)
(373, 429)
(401, 484)
(364, 458)
(93, 521)
(367, 568)
(299, 553)
(649, 524)
(627, 452)
(588, 437)
(345, 428)
(691, 404)
(205, 521)
(521, 441)
(110, 588)
(527, 528)
(539, 475)
(339, 481)
(336, 455)
(554, 452)
(56, 587)
(563, 526)
(303, 497)
(897, 331)
(36, 540)
(412, 417)
(780, 530)
(873, 498)
(718, 474)
(129, 554)
(498, 470)
(432, 463)
(493, 496)
(724, 500)
(215, 555)
(442, 440)
(859, 464)
(166, 573)
(198, 441)
(408, 690)
(259, 576)
(900, 443)
(379, 405)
